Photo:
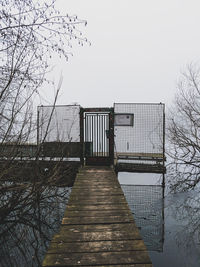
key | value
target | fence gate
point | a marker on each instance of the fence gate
(98, 143)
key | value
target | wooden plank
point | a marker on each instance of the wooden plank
(92, 188)
(99, 213)
(87, 198)
(139, 154)
(87, 259)
(101, 184)
(96, 193)
(118, 195)
(94, 174)
(100, 246)
(89, 188)
(97, 220)
(133, 167)
(95, 236)
(96, 202)
(123, 227)
(95, 180)
(89, 207)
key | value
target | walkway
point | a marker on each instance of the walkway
(98, 228)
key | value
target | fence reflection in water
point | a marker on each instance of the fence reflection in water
(147, 204)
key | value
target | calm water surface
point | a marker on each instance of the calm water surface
(170, 226)
(25, 235)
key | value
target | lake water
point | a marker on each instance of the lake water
(170, 226)
(27, 230)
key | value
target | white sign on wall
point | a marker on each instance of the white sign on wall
(124, 119)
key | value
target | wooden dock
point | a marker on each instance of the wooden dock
(98, 228)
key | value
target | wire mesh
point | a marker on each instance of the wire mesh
(146, 203)
(146, 135)
(145, 138)
(59, 123)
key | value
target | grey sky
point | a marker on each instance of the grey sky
(138, 50)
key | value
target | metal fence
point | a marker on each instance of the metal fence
(59, 130)
(142, 140)
(138, 131)
(59, 123)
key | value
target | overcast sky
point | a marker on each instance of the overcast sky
(138, 49)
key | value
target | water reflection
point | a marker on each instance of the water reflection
(146, 203)
(170, 226)
(24, 236)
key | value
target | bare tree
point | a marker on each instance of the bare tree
(30, 32)
(184, 132)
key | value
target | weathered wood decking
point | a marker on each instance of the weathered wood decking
(98, 228)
